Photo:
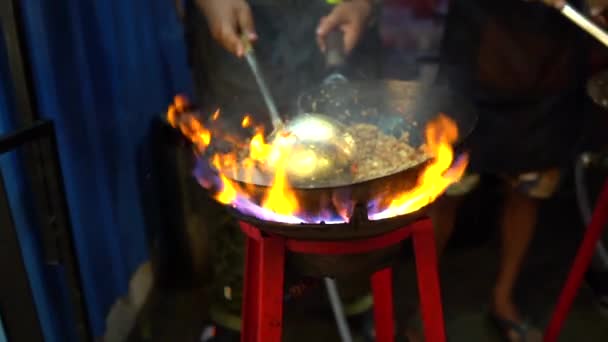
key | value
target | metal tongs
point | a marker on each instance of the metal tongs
(583, 22)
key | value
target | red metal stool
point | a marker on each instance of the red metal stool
(264, 273)
(579, 267)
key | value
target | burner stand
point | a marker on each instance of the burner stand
(264, 279)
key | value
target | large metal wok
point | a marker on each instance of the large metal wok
(393, 106)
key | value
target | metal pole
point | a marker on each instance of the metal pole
(336, 306)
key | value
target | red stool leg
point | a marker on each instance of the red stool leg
(262, 313)
(428, 282)
(270, 289)
(384, 319)
(579, 267)
(250, 290)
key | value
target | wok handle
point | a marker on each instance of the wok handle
(584, 23)
(335, 55)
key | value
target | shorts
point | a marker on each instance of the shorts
(537, 184)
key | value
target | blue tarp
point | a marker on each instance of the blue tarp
(102, 70)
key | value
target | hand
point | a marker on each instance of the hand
(554, 3)
(597, 9)
(229, 20)
(350, 17)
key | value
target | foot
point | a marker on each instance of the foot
(504, 308)
(505, 315)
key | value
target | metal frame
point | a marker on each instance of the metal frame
(17, 60)
(17, 306)
(55, 224)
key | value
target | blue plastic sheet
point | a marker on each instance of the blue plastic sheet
(102, 70)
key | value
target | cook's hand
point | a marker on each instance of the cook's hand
(598, 8)
(350, 17)
(553, 3)
(228, 21)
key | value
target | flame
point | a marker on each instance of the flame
(280, 198)
(258, 148)
(181, 102)
(215, 115)
(441, 133)
(279, 202)
(188, 124)
(228, 194)
(246, 121)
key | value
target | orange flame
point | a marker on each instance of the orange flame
(215, 115)
(228, 194)
(246, 121)
(258, 148)
(188, 124)
(280, 198)
(441, 133)
(275, 156)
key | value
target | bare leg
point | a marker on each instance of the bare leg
(518, 226)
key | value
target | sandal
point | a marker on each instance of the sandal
(515, 332)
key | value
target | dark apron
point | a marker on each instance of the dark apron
(525, 68)
(291, 62)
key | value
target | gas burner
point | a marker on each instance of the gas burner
(358, 225)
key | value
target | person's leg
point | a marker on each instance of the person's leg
(517, 230)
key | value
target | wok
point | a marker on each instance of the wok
(395, 107)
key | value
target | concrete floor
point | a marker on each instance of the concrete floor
(467, 274)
